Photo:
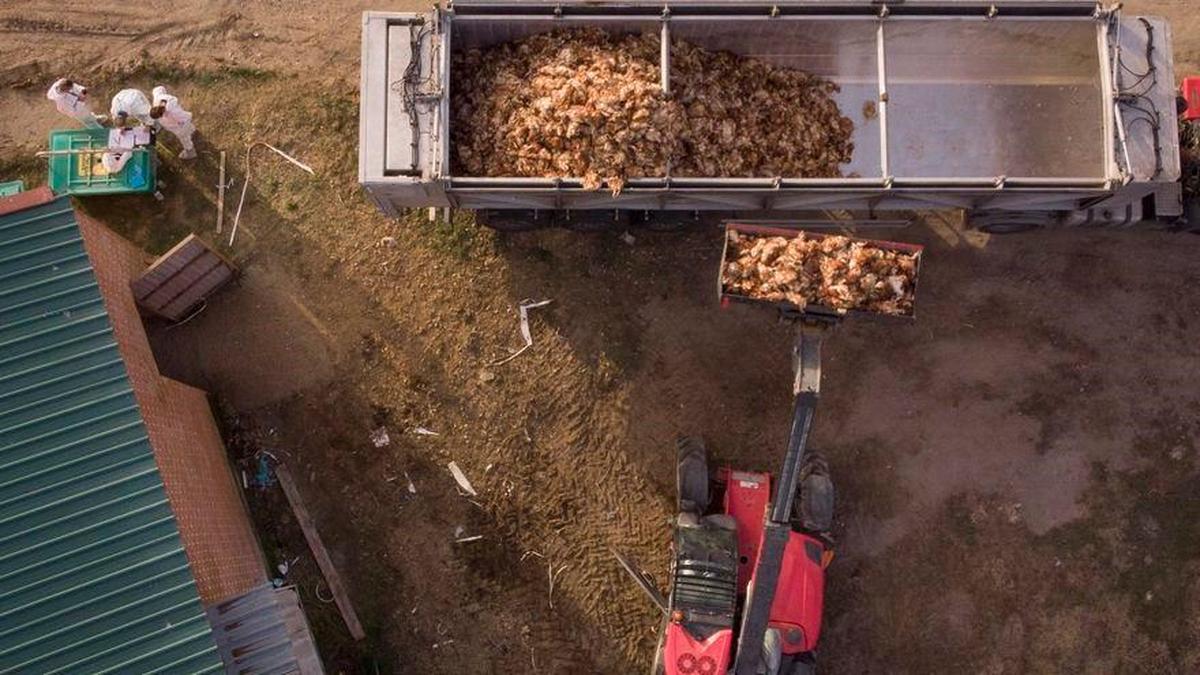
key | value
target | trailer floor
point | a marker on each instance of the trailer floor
(1016, 468)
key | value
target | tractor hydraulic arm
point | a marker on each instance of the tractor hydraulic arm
(805, 390)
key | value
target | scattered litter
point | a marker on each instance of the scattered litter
(628, 238)
(246, 183)
(388, 242)
(553, 574)
(380, 437)
(463, 540)
(461, 479)
(221, 194)
(1013, 511)
(245, 481)
(412, 489)
(317, 593)
(422, 431)
(283, 568)
(263, 475)
(523, 309)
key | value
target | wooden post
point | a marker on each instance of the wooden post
(323, 561)
(221, 195)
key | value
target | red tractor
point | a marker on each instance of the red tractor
(747, 578)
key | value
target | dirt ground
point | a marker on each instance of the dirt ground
(1017, 468)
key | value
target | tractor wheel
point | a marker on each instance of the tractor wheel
(814, 500)
(1009, 222)
(512, 220)
(803, 664)
(691, 475)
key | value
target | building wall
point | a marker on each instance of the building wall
(221, 546)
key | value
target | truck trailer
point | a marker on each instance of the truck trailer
(1023, 113)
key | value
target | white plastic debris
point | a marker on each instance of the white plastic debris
(380, 437)
(461, 479)
(523, 309)
(412, 489)
(237, 217)
(422, 431)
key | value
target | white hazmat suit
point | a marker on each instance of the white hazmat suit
(133, 103)
(73, 102)
(176, 120)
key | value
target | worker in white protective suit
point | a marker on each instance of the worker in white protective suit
(71, 100)
(168, 113)
(122, 139)
(134, 104)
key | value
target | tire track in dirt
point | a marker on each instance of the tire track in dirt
(578, 495)
(553, 431)
(44, 39)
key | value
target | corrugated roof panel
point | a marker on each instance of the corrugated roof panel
(265, 632)
(93, 576)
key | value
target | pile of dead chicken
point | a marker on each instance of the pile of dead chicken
(586, 104)
(835, 272)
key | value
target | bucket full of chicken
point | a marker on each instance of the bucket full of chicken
(823, 275)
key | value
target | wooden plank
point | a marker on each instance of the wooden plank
(183, 280)
(167, 265)
(221, 195)
(319, 552)
(196, 293)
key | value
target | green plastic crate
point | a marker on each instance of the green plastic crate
(11, 188)
(82, 173)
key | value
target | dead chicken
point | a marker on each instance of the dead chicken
(586, 104)
(835, 272)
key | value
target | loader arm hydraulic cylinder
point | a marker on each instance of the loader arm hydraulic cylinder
(761, 595)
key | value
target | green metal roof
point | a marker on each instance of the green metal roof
(93, 576)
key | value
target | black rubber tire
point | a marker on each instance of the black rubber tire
(660, 221)
(813, 508)
(804, 664)
(1009, 222)
(1011, 227)
(512, 221)
(594, 221)
(691, 475)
